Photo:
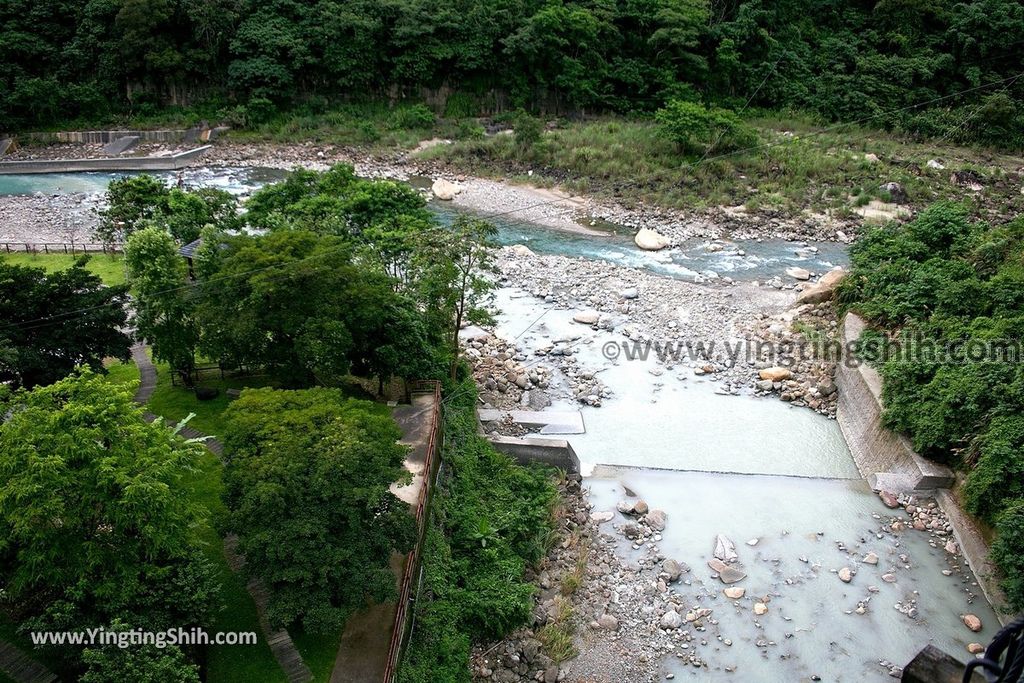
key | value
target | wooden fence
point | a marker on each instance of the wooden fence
(400, 629)
(61, 247)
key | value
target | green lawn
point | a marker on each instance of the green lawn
(319, 653)
(109, 268)
(175, 402)
(237, 663)
(119, 372)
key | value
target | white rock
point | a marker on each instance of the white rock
(671, 619)
(651, 240)
(445, 190)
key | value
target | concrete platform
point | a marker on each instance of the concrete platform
(171, 162)
(120, 145)
(555, 452)
(549, 421)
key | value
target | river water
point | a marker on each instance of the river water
(747, 467)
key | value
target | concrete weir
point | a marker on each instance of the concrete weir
(171, 162)
(555, 452)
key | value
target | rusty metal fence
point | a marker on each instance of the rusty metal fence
(412, 560)
(61, 248)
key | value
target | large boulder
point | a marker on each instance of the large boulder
(444, 189)
(651, 240)
(798, 273)
(824, 289)
(775, 374)
(586, 317)
(895, 191)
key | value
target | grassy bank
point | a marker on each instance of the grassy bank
(109, 268)
(795, 166)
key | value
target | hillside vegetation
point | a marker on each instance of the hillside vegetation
(920, 66)
(945, 295)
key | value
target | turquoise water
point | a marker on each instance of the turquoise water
(746, 260)
(739, 260)
(234, 180)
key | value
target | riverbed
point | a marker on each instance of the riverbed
(716, 461)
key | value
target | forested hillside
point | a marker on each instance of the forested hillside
(79, 61)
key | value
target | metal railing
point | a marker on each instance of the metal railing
(398, 631)
(61, 247)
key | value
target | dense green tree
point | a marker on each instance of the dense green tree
(308, 476)
(297, 304)
(54, 322)
(164, 315)
(931, 68)
(135, 202)
(78, 451)
(139, 664)
(948, 295)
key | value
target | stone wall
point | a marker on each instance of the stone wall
(886, 459)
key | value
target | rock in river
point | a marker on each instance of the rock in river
(671, 619)
(971, 621)
(725, 549)
(776, 374)
(656, 520)
(726, 573)
(651, 240)
(445, 190)
(586, 317)
(845, 575)
(734, 592)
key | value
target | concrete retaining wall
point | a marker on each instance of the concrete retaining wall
(886, 459)
(555, 452)
(168, 163)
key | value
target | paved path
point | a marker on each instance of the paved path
(281, 644)
(363, 651)
(21, 668)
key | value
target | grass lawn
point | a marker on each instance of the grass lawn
(319, 653)
(119, 372)
(234, 663)
(174, 403)
(109, 268)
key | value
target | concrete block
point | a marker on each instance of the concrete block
(555, 452)
(120, 145)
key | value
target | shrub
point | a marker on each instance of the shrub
(415, 117)
(695, 128)
(259, 110)
(491, 518)
(528, 130)
(1008, 552)
(998, 476)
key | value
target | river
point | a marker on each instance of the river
(739, 465)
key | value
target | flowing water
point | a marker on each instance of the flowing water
(756, 468)
(747, 467)
(235, 180)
